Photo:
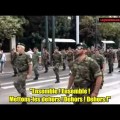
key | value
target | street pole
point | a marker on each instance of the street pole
(53, 36)
(96, 34)
(77, 30)
(46, 31)
(53, 33)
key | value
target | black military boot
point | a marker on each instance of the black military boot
(36, 77)
(14, 75)
(46, 71)
(57, 79)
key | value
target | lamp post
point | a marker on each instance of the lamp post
(96, 33)
(46, 30)
(53, 33)
(77, 30)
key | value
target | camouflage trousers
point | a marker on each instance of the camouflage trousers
(20, 83)
(45, 64)
(64, 64)
(110, 64)
(78, 85)
(35, 69)
(56, 70)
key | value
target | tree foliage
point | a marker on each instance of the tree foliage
(10, 25)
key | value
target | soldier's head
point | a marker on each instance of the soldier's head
(69, 48)
(97, 51)
(81, 49)
(35, 49)
(44, 49)
(20, 48)
(56, 49)
(110, 49)
(88, 50)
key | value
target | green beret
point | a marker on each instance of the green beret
(81, 45)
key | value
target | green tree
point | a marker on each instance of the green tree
(9, 26)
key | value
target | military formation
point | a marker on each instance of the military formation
(86, 66)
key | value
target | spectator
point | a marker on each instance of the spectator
(2, 60)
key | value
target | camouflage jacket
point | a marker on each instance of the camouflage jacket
(35, 57)
(99, 59)
(86, 70)
(64, 55)
(45, 56)
(70, 55)
(57, 57)
(22, 62)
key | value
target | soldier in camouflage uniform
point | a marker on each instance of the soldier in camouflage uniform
(85, 74)
(63, 52)
(57, 59)
(118, 57)
(70, 57)
(111, 59)
(23, 68)
(45, 59)
(101, 62)
(14, 55)
(36, 59)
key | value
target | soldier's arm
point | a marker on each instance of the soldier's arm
(98, 77)
(30, 65)
(103, 63)
(71, 78)
(61, 59)
(70, 82)
(39, 58)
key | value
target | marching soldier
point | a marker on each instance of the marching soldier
(57, 59)
(36, 59)
(111, 59)
(85, 74)
(101, 62)
(63, 52)
(24, 70)
(45, 59)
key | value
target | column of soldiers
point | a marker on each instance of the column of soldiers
(86, 66)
